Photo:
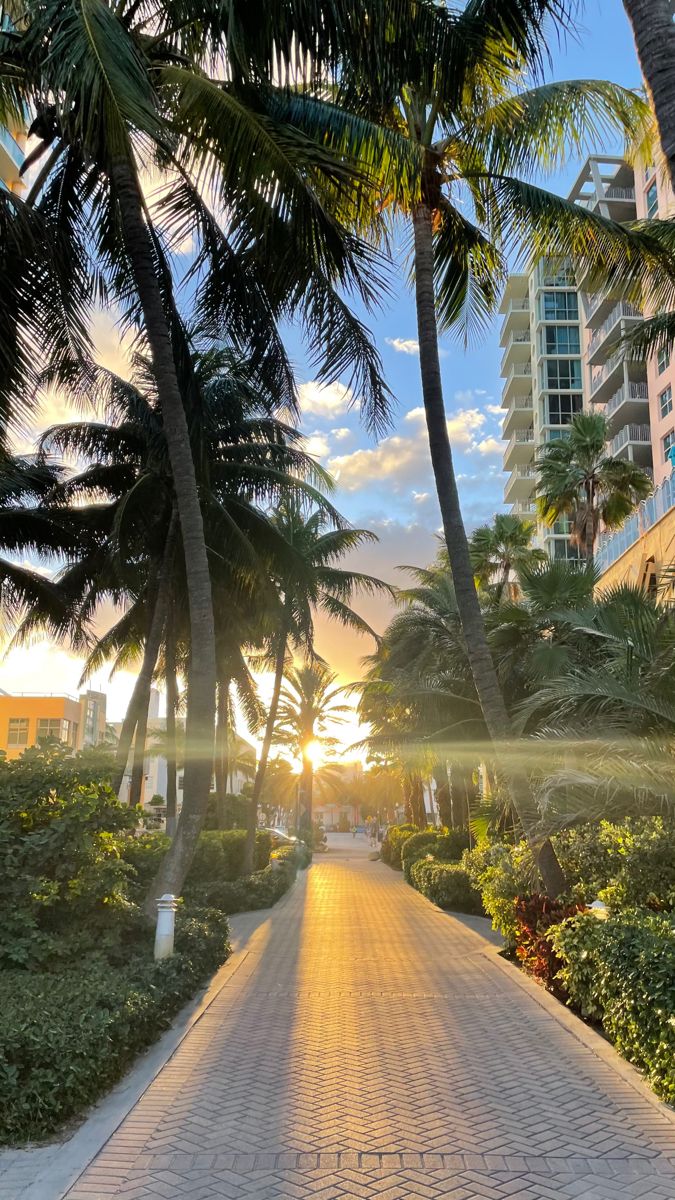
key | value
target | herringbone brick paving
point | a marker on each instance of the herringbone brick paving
(369, 1045)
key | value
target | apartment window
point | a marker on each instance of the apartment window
(17, 734)
(662, 360)
(557, 274)
(181, 781)
(561, 339)
(563, 526)
(561, 409)
(649, 171)
(652, 200)
(561, 306)
(666, 402)
(563, 373)
(668, 442)
(555, 435)
(53, 727)
(564, 549)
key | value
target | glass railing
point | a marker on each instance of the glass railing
(612, 545)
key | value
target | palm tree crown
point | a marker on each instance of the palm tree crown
(579, 479)
(499, 551)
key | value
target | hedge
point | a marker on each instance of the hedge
(446, 845)
(447, 885)
(394, 839)
(67, 1036)
(621, 971)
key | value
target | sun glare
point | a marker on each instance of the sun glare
(314, 752)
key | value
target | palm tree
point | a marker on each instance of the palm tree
(499, 550)
(577, 478)
(310, 581)
(309, 705)
(652, 23)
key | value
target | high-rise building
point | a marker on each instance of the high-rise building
(11, 158)
(544, 382)
(561, 356)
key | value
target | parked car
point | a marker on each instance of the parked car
(279, 838)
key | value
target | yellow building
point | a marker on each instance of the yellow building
(25, 720)
(644, 548)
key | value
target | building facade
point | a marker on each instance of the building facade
(11, 158)
(560, 356)
(27, 719)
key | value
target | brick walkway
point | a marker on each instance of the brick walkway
(369, 1045)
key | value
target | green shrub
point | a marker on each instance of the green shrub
(447, 884)
(621, 971)
(260, 890)
(67, 1036)
(416, 846)
(220, 855)
(501, 873)
(451, 844)
(627, 864)
(62, 837)
(394, 840)
(144, 853)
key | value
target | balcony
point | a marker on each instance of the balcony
(518, 349)
(519, 415)
(612, 545)
(516, 316)
(518, 382)
(629, 405)
(622, 317)
(633, 442)
(520, 484)
(525, 510)
(520, 449)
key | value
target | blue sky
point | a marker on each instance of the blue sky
(387, 487)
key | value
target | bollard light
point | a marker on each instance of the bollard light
(166, 923)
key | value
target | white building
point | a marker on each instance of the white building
(559, 358)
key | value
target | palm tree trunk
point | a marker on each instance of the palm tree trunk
(155, 633)
(589, 530)
(171, 708)
(480, 660)
(199, 732)
(407, 799)
(306, 793)
(417, 804)
(654, 31)
(140, 697)
(280, 662)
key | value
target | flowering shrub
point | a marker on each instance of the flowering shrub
(535, 915)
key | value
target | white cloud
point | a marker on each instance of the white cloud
(404, 460)
(316, 444)
(404, 345)
(495, 409)
(420, 497)
(343, 434)
(489, 445)
(324, 399)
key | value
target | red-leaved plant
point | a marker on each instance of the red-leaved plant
(534, 917)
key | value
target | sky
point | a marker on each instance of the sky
(384, 486)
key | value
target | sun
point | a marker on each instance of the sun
(314, 752)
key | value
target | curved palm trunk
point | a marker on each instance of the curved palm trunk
(155, 633)
(140, 697)
(199, 732)
(482, 667)
(252, 818)
(417, 804)
(171, 709)
(654, 31)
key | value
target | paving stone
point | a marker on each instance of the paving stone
(371, 1046)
